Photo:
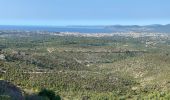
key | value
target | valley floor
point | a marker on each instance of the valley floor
(87, 68)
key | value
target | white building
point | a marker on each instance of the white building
(2, 57)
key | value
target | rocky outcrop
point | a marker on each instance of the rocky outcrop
(6, 88)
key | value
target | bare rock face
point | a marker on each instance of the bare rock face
(10, 90)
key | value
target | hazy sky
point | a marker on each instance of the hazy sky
(84, 12)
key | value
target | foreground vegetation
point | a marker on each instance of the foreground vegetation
(88, 68)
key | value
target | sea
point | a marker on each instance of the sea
(91, 29)
(79, 29)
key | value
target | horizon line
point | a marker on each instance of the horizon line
(81, 25)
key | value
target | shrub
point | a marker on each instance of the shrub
(49, 94)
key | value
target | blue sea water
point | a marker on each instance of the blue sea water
(58, 29)
(91, 29)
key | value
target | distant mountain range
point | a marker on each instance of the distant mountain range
(92, 29)
(137, 28)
